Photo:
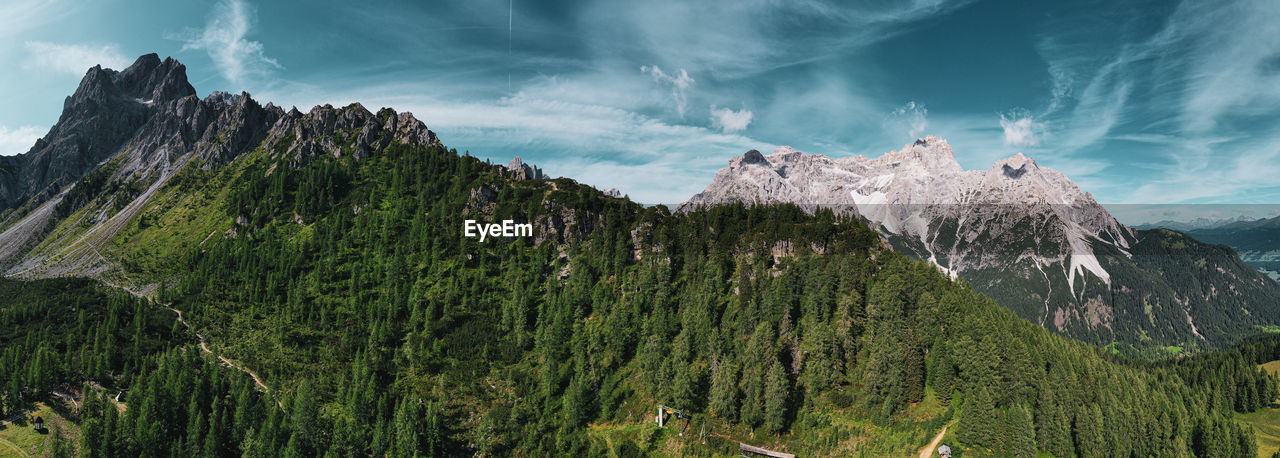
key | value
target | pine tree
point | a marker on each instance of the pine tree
(942, 373)
(977, 419)
(724, 390)
(1020, 431)
(777, 396)
(1089, 435)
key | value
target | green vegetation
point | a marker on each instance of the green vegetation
(1272, 368)
(1167, 290)
(1266, 428)
(1266, 421)
(55, 332)
(383, 331)
(20, 438)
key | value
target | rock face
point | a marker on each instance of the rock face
(139, 127)
(913, 194)
(525, 171)
(106, 110)
(1023, 234)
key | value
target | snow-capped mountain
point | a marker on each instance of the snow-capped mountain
(1024, 234)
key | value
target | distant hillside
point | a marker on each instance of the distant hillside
(1194, 224)
(1257, 241)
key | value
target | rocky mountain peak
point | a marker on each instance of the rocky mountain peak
(107, 108)
(149, 78)
(753, 157)
(921, 199)
(932, 153)
(1015, 166)
(222, 98)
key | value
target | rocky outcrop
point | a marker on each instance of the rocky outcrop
(524, 171)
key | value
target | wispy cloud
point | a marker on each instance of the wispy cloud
(680, 82)
(19, 16)
(1020, 129)
(729, 120)
(752, 36)
(1231, 73)
(74, 59)
(913, 118)
(19, 140)
(224, 38)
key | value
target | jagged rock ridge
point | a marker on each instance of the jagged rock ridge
(139, 127)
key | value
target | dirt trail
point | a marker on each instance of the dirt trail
(927, 451)
(67, 397)
(205, 347)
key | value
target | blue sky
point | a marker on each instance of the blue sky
(1153, 102)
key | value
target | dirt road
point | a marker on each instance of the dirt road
(927, 451)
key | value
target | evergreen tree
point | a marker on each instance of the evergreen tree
(724, 390)
(1020, 431)
(1089, 432)
(777, 397)
(1053, 432)
(978, 420)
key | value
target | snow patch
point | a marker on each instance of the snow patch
(1082, 258)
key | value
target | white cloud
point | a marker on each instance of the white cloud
(651, 160)
(730, 121)
(1020, 130)
(18, 141)
(912, 116)
(223, 38)
(680, 84)
(74, 59)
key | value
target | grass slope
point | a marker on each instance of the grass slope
(1266, 422)
(19, 438)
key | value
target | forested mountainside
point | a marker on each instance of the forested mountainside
(324, 253)
(346, 283)
(1257, 241)
(1027, 236)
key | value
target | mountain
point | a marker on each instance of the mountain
(1025, 235)
(1194, 224)
(88, 191)
(1257, 241)
(304, 287)
(106, 109)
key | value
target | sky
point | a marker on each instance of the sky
(1139, 102)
